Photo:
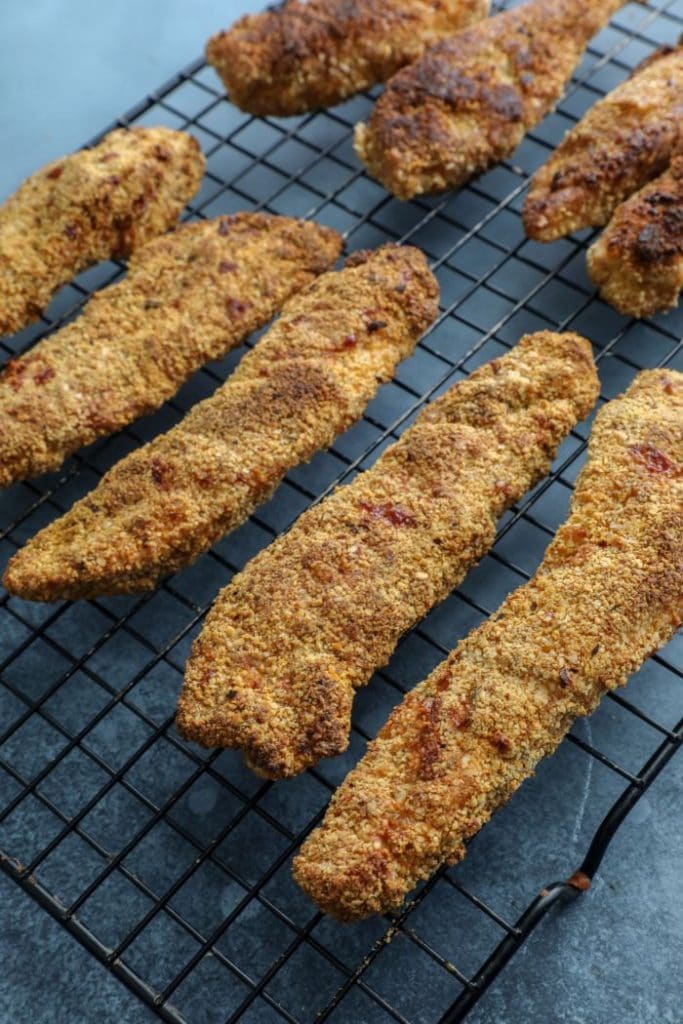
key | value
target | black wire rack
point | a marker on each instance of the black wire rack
(170, 864)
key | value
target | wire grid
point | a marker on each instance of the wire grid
(171, 863)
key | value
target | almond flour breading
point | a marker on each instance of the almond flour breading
(622, 143)
(609, 592)
(637, 262)
(189, 297)
(303, 56)
(96, 204)
(286, 644)
(305, 382)
(469, 100)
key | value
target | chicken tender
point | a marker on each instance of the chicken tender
(305, 382)
(609, 592)
(622, 143)
(189, 297)
(304, 55)
(308, 620)
(96, 204)
(469, 100)
(638, 260)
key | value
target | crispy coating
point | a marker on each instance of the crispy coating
(309, 619)
(469, 100)
(189, 297)
(301, 56)
(609, 592)
(638, 260)
(622, 143)
(305, 382)
(96, 204)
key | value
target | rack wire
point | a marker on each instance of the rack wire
(170, 863)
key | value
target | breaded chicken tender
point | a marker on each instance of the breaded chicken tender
(609, 592)
(307, 380)
(308, 620)
(96, 204)
(637, 262)
(301, 56)
(469, 100)
(622, 143)
(189, 297)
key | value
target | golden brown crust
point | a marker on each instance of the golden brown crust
(469, 100)
(189, 297)
(609, 592)
(310, 618)
(638, 260)
(622, 143)
(306, 381)
(96, 204)
(303, 56)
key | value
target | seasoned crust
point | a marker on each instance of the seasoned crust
(311, 617)
(609, 592)
(469, 100)
(302, 56)
(190, 296)
(638, 260)
(622, 143)
(96, 204)
(307, 380)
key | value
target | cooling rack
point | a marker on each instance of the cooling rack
(170, 864)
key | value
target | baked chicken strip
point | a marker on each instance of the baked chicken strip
(96, 204)
(305, 382)
(301, 56)
(189, 297)
(622, 143)
(469, 100)
(637, 262)
(609, 592)
(310, 618)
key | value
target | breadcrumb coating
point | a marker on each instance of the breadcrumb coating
(469, 100)
(609, 592)
(96, 204)
(306, 381)
(189, 297)
(310, 618)
(301, 56)
(622, 143)
(637, 262)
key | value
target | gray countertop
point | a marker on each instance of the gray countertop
(67, 68)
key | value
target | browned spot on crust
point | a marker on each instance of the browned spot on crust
(43, 376)
(387, 512)
(428, 743)
(502, 744)
(237, 307)
(655, 460)
(161, 474)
